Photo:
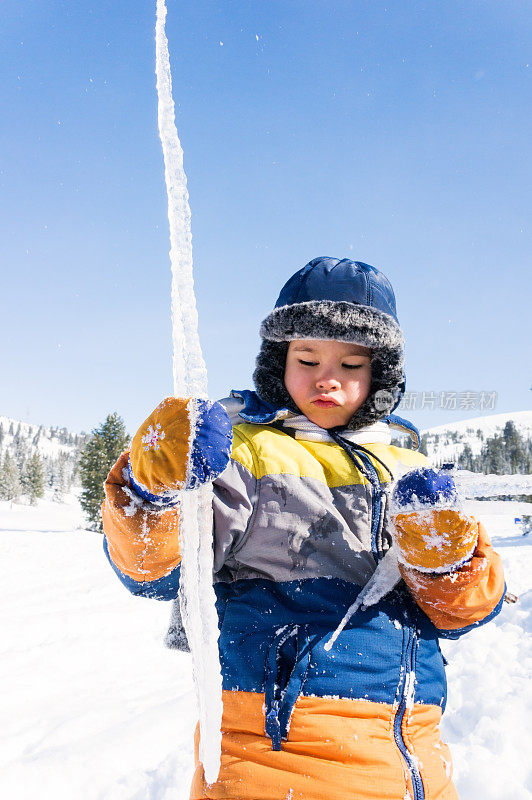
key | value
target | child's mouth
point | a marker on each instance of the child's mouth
(324, 403)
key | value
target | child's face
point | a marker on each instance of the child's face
(327, 380)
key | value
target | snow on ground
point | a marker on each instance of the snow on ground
(487, 721)
(94, 707)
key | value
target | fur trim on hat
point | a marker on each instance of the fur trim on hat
(341, 321)
(332, 319)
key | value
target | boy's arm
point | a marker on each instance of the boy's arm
(140, 511)
(183, 443)
(445, 556)
(140, 540)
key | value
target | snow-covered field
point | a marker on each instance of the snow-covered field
(487, 721)
(94, 706)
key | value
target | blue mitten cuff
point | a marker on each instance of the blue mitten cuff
(212, 443)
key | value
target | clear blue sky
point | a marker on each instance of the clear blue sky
(396, 133)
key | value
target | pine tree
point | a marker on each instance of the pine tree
(504, 453)
(34, 478)
(61, 480)
(528, 460)
(20, 451)
(98, 456)
(466, 459)
(515, 447)
(493, 456)
(10, 485)
(37, 437)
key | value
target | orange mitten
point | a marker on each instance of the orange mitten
(183, 443)
(430, 530)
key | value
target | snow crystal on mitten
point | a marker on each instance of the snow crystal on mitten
(430, 529)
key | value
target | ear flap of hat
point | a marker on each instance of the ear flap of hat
(387, 387)
(269, 374)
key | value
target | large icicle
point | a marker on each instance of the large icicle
(197, 596)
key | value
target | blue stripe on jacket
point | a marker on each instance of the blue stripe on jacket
(365, 661)
(263, 623)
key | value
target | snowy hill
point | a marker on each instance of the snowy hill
(98, 709)
(446, 442)
(49, 442)
(58, 448)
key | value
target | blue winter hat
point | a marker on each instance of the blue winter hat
(334, 280)
(343, 300)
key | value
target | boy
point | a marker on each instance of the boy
(300, 524)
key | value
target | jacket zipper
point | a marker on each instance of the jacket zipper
(406, 698)
(361, 455)
(407, 695)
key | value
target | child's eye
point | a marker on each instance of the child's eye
(352, 366)
(308, 363)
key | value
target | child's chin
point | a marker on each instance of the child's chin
(328, 420)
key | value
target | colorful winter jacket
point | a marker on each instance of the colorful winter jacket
(299, 527)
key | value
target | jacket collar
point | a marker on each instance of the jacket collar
(244, 405)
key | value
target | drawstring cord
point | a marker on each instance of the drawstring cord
(387, 573)
(361, 457)
(349, 447)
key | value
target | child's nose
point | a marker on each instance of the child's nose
(327, 383)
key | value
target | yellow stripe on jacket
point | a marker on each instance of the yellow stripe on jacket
(266, 451)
